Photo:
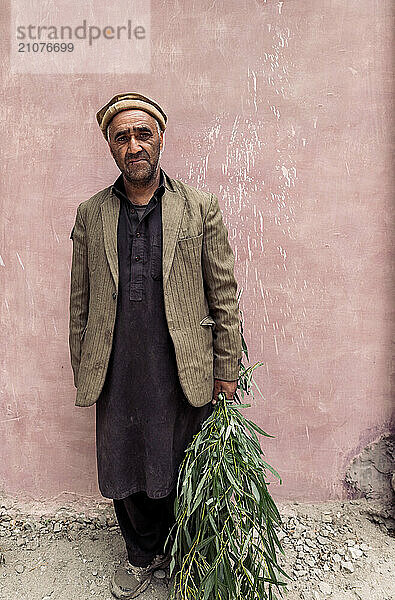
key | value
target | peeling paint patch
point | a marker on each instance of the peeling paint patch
(370, 472)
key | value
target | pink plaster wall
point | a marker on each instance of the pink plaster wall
(283, 110)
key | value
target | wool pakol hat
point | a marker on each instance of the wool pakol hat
(128, 101)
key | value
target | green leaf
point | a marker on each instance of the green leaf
(226, 520)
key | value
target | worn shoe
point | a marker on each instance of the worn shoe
(130, 582)
(161, 561)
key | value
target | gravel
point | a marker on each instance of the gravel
(336, 550)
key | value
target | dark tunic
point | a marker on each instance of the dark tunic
(143, 420)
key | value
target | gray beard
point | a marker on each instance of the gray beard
(145, 179)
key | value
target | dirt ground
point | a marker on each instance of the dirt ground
(333, 551)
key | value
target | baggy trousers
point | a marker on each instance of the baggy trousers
(145, 524)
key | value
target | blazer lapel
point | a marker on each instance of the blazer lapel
(109, 214)
(173, 204)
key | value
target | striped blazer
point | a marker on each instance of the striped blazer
(200, 291)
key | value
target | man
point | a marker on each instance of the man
(154, 328)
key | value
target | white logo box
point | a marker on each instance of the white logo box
(80, 37)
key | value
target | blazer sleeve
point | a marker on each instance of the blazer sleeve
(221, 292)
(79, 292)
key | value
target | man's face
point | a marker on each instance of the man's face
(135, 145)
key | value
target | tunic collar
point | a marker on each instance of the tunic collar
(118, 187)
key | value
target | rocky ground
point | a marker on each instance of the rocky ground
(333, 551)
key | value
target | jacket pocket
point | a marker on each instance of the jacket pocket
(189, 254)
(156, 257)
(207, 321)
(190, 239)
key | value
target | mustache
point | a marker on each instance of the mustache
(130, 158)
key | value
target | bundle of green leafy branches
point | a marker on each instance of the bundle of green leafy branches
(224, 543)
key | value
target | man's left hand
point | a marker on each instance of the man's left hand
(228, 387)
